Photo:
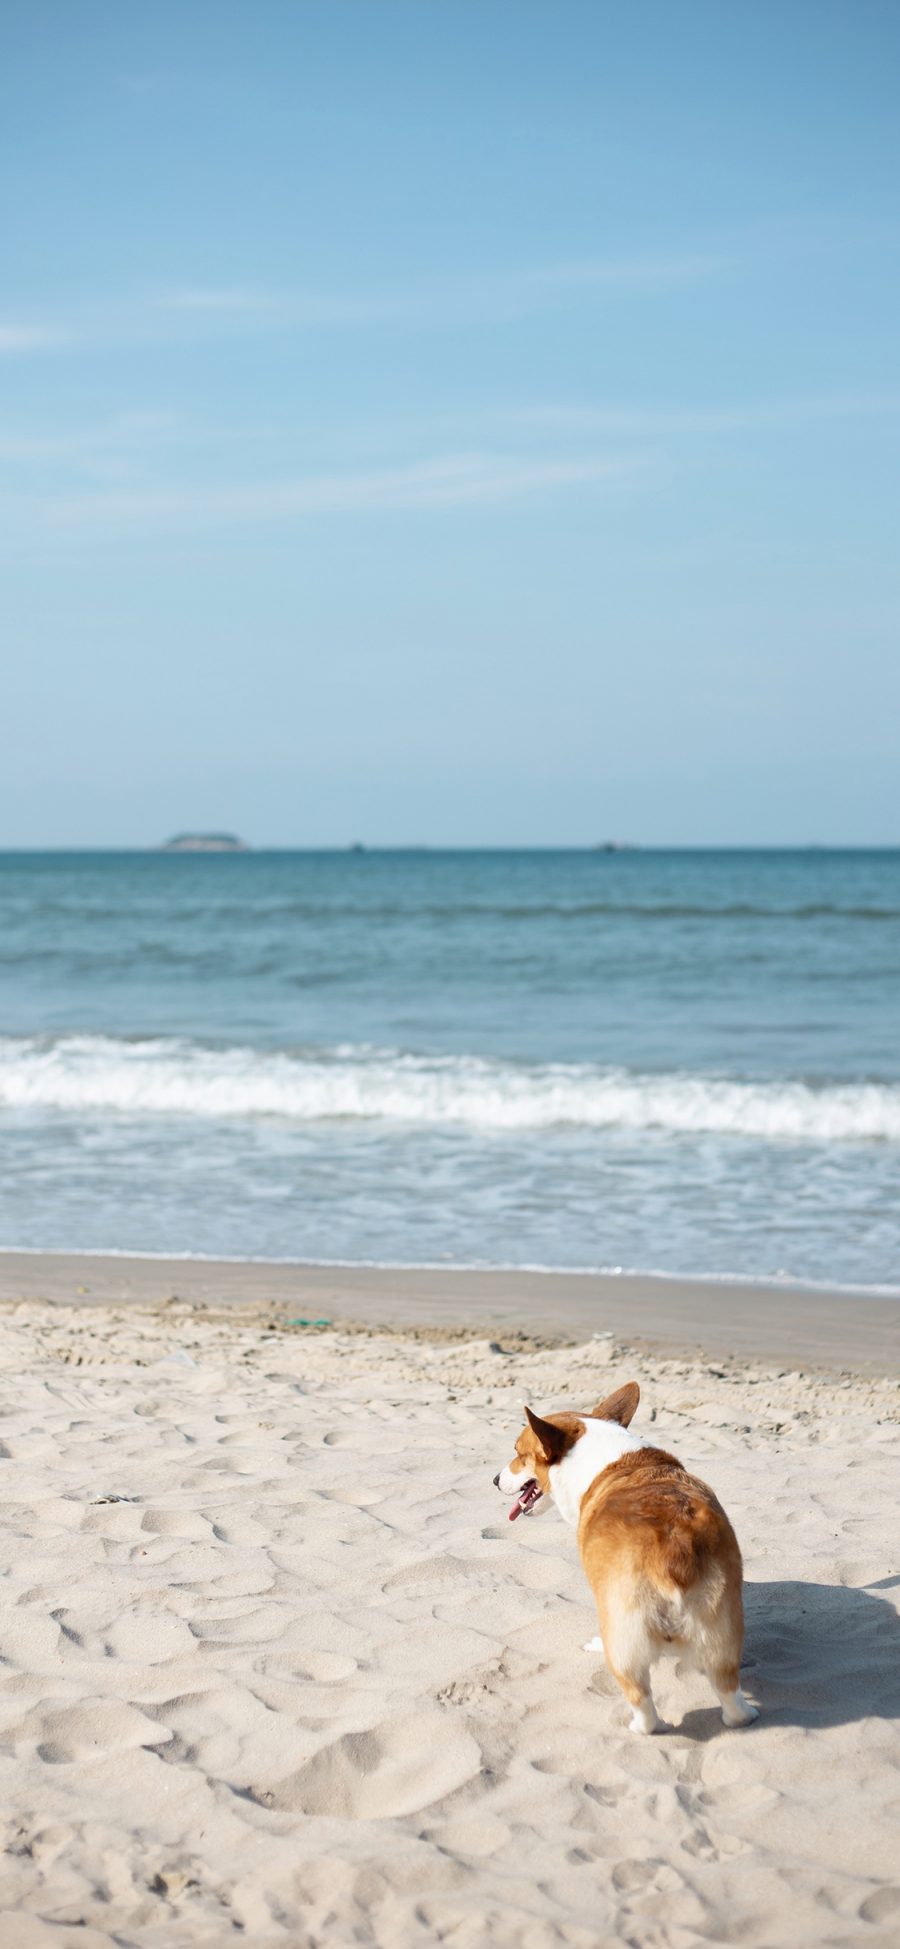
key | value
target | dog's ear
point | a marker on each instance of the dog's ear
(619, 1406)
(554, 1441)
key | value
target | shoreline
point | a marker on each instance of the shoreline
(809, 1326)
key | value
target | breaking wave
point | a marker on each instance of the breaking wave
(168, 1077)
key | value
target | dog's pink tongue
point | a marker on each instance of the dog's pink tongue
(517, 1508)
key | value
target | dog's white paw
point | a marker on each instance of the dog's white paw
(644, 1719)
(737, 1711)
(594, 1644)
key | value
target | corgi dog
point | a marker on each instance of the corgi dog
(658, 1550)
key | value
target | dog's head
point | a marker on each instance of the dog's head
(545, 1442)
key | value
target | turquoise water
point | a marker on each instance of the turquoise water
(686, 1062)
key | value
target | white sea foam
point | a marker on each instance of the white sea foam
(160, 1077)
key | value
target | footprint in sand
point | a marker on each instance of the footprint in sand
(325, 1667)
(479, 1838)
(30, 1641)
(82, 1732)
(881, 1906)
(149, 1639)
(429, 1570)
(633, 1877)
(395, 1768)
(185, 1524)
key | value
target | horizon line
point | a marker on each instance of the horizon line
(609, 848)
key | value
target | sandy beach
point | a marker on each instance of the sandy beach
(275, 1667)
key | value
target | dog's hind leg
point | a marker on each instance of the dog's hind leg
(736, 1710)
(636, 1687)
(629, 1652)
(628, 1656)
(717, 1651)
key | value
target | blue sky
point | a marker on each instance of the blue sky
(453, 421)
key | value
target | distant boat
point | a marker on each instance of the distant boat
(205, 842)
(613, 846)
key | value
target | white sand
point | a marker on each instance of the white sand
(304, 1684)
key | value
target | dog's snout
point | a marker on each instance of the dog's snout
(497, 1480)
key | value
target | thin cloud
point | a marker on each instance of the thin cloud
(445, 301)
(446, 482)
(452, 302)
(644, 272)
(255, 305)
(131, 441)
(227, 299)
(655, 423)
(92, 447)
(17, 339)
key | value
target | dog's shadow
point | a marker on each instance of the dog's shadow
(816, 1655)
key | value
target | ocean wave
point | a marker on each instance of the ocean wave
(160, 1077)
(289, 911)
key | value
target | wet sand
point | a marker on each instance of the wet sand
(804, 1326)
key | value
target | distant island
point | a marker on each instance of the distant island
(205, 842)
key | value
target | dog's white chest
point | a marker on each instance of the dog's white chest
(602, 1443)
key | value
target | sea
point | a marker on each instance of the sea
(658, 1061)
